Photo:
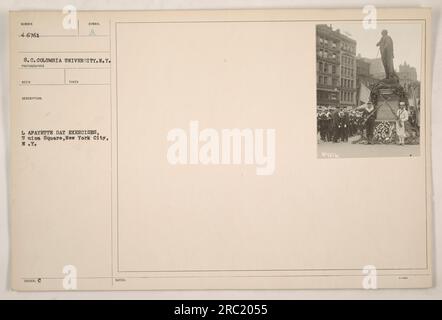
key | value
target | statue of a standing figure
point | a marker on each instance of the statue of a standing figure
(386, 47)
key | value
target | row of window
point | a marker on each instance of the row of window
(347, 83)
(325, 80)
(326, 68)
(347, 96)
(348, 47)
(347, 72)
(347, 60)
(328, 81)
(334, 44)
(324, 41)
(326, 54)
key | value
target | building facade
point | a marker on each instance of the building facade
(376, 68)
(364, 79)
(335, 68)
(408, 80)
(407, 74)
(328, 63)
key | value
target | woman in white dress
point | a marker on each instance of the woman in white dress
(402, 117)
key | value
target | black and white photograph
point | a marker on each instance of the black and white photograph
(368, 89)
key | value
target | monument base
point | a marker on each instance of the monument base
(386, 96)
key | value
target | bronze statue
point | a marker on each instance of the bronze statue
(387, 54)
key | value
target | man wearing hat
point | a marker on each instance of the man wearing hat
(402, 117)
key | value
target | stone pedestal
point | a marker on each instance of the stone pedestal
(388, 104)
(386, 97)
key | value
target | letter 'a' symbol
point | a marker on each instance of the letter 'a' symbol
(70, 278)
(70, 21)
(370, 19)
(370, 279)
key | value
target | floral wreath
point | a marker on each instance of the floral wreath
(385, 132)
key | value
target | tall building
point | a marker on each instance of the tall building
(335, 67)
(407, 74)
(376, 68)
(348, 71)
(328, 63)
(363, 78)
(408, 80)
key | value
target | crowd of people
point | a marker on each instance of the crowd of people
(338, 124)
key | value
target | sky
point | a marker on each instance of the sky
(407, 41)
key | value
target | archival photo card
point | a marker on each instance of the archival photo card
(220, 149)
